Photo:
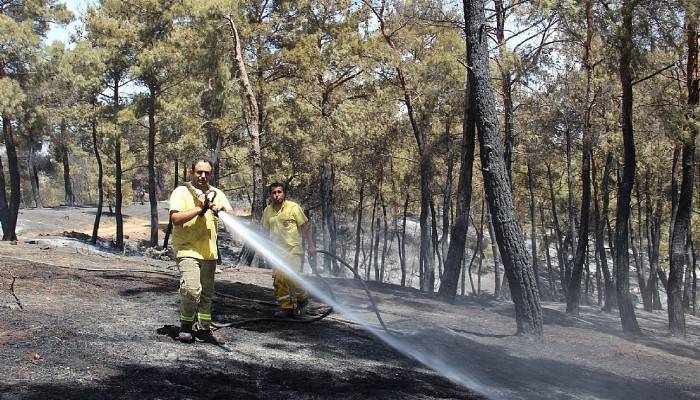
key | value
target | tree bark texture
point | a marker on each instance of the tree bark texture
(327, 182)
(510, 238)
(574, 289)
(458, 236)
(533, 226)
(624, 186)
(676, 315)
(119, 219)
(561, 250)
(601, 223)
(13, 167)
(252, 116)
(152, 131)
(100, 176)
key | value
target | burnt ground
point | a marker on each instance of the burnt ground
(79, 334)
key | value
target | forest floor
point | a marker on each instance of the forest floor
(97, 333)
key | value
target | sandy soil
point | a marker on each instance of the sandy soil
(93, 335)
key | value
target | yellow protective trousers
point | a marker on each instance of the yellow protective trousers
(196, 290)
(288, 292)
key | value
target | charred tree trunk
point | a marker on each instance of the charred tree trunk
(69, 197)
(561, 250)
(4, 209)
(581, 251)
(550, 272)
(434, 239)
(327, 182)
(371, 236)
(15, 197)
(402, 242)
(118, 198)
(674, 291)
(447, 198)
(624, 186)
(458, 237)
(100, 176)
(601, 223)
(33, 176)
(533, 226)
(571, 209)
(385, 240)
(253, 117)
(154, 92)
(358, 229)
(9, 211)
(494, 250)
(690, 266)
(510, 238)
(676, 315)
(653, 243)
(506, 89)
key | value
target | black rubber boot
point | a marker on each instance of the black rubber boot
(185, 335)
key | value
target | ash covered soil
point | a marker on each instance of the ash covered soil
(84, 334)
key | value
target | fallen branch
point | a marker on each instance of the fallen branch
(12, 290)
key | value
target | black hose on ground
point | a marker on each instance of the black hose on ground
(364, 285)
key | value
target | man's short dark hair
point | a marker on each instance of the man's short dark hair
(202, 159)
(277, 184)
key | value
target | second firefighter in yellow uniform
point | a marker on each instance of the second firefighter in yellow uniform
(285, 222)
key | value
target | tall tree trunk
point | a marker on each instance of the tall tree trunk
(385, 239)
(33, 176)
(690, 266)
(152, 131)
(9, 211)
(371, 236)
(571, 209)
(327, 183)
(435, 241)
(506, 89)
(676, 315)
(494, 251)
(447, 197)
(561, 250)
(601, 223)
(402, 242)
(4, 209)
(252, 115)
(574, 289)
(100, 176)
(358, 228)
(533, 226)
(511, 241)
(674, 291)
(653, 242)
(550, 272)
(624, 186)
(377, 235)
(69, 197)
(458, 236)
(119, 219)
(13, 166)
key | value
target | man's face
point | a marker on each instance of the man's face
(277, 194)
(201, 174)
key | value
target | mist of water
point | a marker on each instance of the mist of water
(441, 363)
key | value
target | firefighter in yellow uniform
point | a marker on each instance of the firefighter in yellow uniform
(285, 222)
(193, 211)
